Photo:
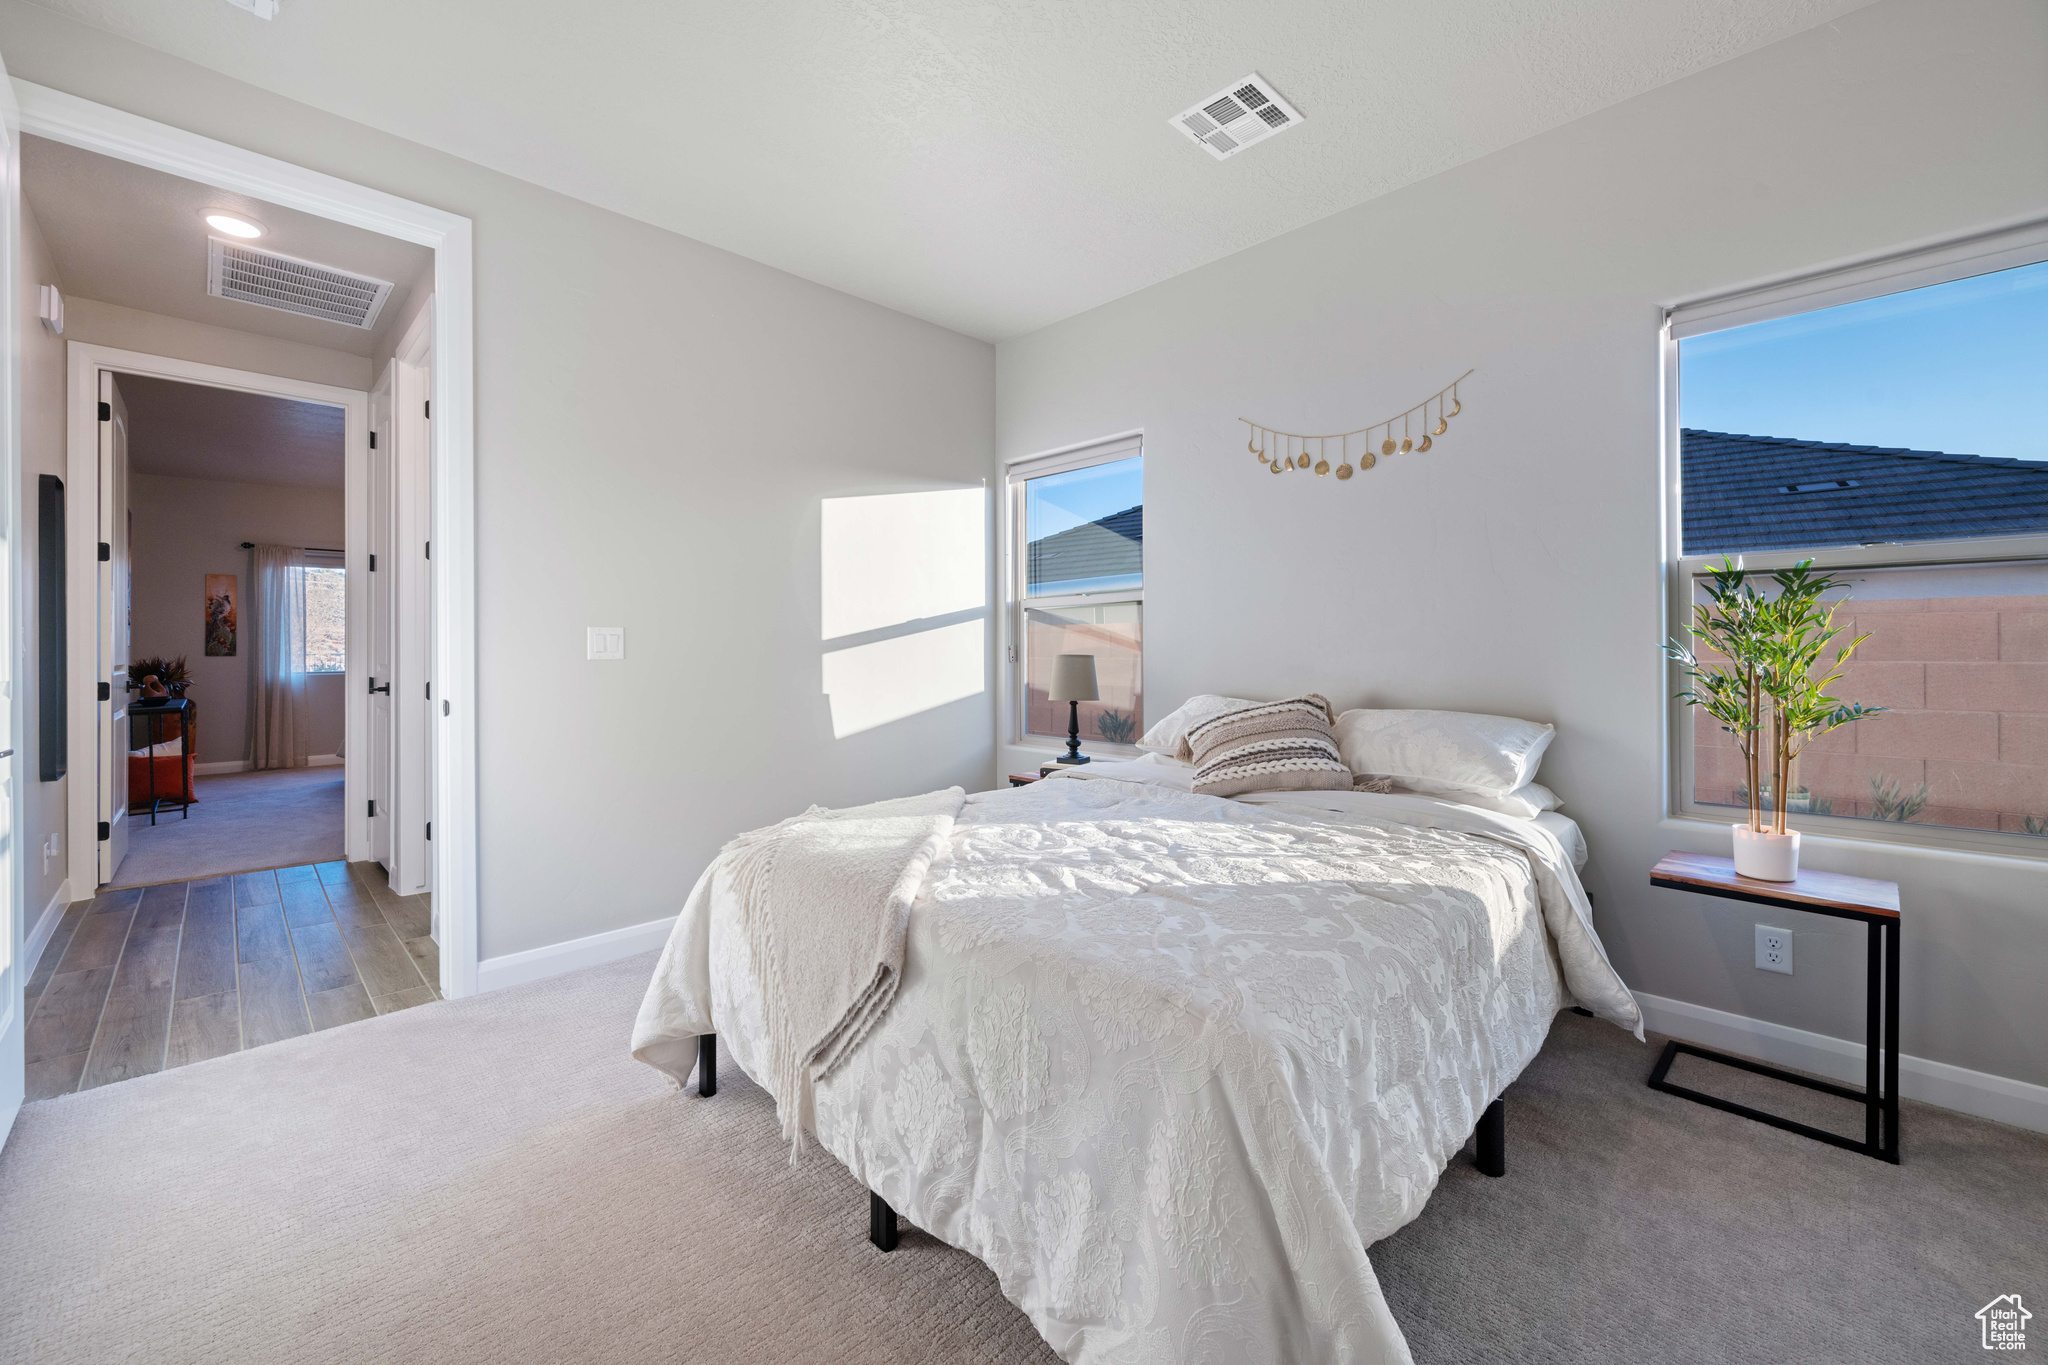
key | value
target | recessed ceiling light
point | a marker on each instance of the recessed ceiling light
(234, 227)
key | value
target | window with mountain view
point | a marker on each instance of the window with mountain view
(1902, 440)
(1081, 552)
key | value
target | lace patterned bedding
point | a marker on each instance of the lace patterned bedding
(1170, 1063)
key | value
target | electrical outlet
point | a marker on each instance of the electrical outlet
(1773, 949)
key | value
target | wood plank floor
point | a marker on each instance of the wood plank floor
(138, 980)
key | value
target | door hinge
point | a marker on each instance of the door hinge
(444, 708)
(373, 440)
(430, 831)
(373, 808)
(106, 415)
(429, 551)
(106, 553)
(106, 691)
(106, 830)
(373, 563)
(430, 691)
(429, 406)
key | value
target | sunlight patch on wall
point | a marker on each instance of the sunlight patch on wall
(899, 557)
(885, 680)
(902, 603)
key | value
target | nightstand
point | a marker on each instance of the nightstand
(1874, 904)
(1022, 779)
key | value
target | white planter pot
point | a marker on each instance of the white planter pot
(1766, 857)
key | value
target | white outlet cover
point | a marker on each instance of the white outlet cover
(1773, 949)
(606, 642)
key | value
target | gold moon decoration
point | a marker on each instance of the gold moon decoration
(1260, 438)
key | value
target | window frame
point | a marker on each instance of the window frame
(1892, 273)
(1012, 646)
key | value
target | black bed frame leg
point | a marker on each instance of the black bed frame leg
(1493, 1140)
(881, 1222)
(707, 1065)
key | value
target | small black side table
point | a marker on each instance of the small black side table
(152, 714)
(1876, 905)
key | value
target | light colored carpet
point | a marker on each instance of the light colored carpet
(242, 822)
(493, 1179)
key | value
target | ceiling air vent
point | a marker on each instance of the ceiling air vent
(234, 271)
(1236, 116)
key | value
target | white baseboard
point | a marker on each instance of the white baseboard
(516, 969)
(241, 765)
(45, 925)
(2020, 1103)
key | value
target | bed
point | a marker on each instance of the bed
(1169, 1063)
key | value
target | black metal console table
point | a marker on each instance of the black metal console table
(1876, 905)
(152, 713)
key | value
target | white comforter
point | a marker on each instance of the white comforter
(1168, 1063)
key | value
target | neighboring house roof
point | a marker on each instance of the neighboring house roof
(1737, 498)
(1109, 547)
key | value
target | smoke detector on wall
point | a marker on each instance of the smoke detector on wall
(1235, 117)
(253, 275)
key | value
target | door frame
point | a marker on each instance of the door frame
(85, 362)
(112, 132)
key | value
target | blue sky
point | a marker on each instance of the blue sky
(1960, 367)
(1058, 501)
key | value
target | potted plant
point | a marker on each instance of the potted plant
(1763, 691)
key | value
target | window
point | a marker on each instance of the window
(1078, 564)
(326, 620)
(1898, 436)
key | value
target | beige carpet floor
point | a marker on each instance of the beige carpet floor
(493, 1179)
(242, 822)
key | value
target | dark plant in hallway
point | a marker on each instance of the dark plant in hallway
(1116, 727)
(172, 673)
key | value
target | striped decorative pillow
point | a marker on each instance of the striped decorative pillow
(1274, 746)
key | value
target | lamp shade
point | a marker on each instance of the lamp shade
(1073, 678)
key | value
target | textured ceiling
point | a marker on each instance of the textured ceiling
(124, 234)
(192, 431)
(991, 166)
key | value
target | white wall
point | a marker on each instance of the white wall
(657, 425)
(42, 452)
(186, 529)
(1516, 570)
(131, 329)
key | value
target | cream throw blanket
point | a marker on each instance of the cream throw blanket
(824, 902)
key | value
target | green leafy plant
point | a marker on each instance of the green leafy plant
(2036, 824)
(1890, 801)
(1116, 727)
(1768, 689)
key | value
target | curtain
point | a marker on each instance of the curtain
(278, 722)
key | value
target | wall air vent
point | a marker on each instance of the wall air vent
(252, 275)
(1236, 116)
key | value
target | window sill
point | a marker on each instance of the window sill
(1991, 847)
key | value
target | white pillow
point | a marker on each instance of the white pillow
(1526, 802)
(1443, 752)
(1169, 734)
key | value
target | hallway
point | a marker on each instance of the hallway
(148, 978)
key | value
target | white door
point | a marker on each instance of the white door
(413, 704)
(113, 627)
(382, 635)
(13, 765)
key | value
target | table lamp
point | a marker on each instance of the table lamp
(1073, 682)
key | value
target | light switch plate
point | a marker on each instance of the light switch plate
(607, 642)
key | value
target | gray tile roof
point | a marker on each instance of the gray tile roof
(1109, 547)
(1736, 494)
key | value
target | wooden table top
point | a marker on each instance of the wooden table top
(1828, 892)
